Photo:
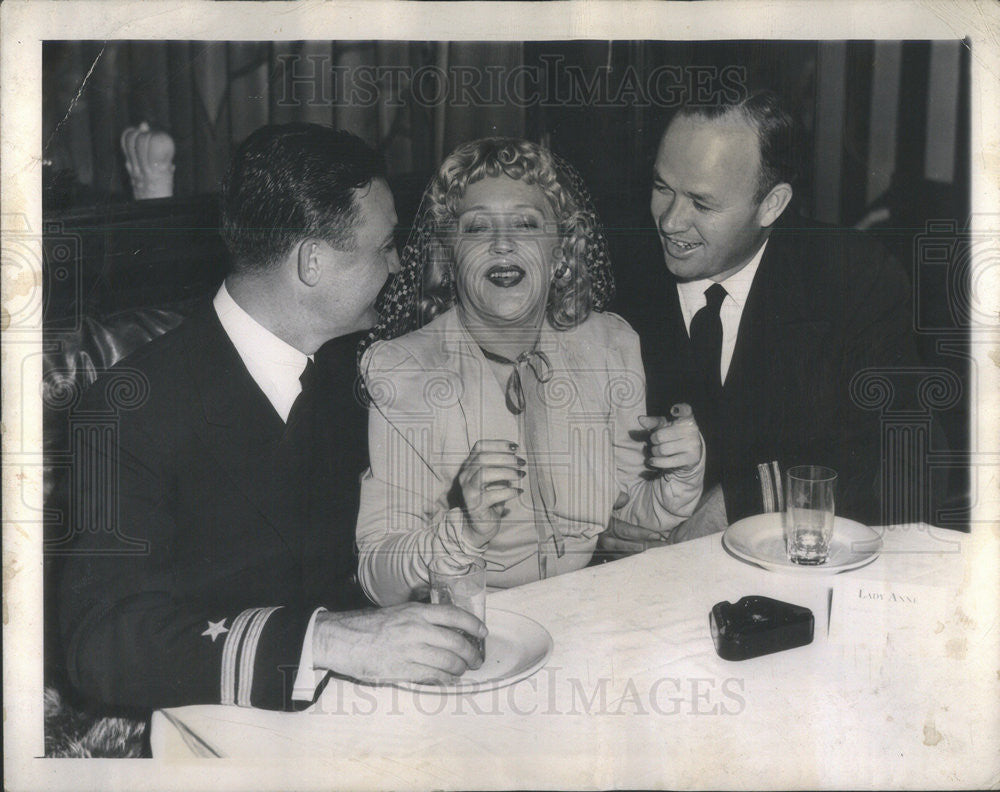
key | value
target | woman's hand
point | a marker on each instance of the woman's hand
(674, 443)
(486, 481)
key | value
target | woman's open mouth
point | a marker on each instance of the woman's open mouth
(505, 275)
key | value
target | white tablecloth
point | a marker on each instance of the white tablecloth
(897, 694)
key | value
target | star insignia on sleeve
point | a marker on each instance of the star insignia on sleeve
(215, 629)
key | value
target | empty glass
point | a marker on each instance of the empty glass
(809, 513)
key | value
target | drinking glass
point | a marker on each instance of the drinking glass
(460, 580)
(809, 513)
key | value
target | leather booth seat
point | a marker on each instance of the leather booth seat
(72, 362)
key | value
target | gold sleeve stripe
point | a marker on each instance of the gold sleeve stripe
(229, 652)
(248, 654)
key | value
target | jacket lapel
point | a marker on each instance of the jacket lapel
(752, 337)
(779, 351)
(241, 428)
(779, 329)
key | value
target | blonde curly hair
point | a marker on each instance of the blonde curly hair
(569, 301)
(425, 285)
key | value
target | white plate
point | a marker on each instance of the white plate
(761, 540)
(516, 648)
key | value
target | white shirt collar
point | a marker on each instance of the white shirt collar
(274, 364)
(737, 286)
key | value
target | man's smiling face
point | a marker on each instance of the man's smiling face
(704, 199)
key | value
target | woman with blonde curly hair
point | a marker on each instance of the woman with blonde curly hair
(505, 401)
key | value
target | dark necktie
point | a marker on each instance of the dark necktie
(706, 338)
(300, 407)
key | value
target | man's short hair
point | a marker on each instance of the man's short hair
(776, 133)
(287, 182)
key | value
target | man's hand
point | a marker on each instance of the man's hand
(622, 539)
(674, 442)
(708, 518)
(409, 642)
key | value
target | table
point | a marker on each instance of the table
(634, 694)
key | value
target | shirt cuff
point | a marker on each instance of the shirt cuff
(308, 678)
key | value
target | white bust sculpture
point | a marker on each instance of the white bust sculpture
(149, 160)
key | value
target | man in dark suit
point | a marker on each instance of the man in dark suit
(761, 323)
(219, 479)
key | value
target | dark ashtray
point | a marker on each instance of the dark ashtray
(757, 626)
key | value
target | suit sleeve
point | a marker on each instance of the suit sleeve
(132, 637)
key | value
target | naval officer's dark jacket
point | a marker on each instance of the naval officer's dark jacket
(208, 531)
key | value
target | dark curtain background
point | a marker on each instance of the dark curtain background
(209, 96)
(881, 115)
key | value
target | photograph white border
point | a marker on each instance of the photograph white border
(25, 25)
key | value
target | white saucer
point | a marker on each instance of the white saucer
(761, 540)
(516, 648)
